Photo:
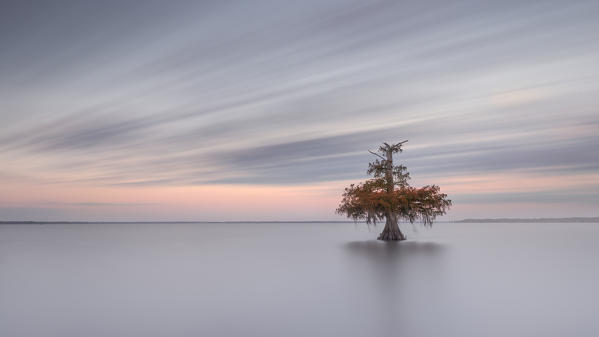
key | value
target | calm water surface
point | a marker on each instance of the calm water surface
(298, 280)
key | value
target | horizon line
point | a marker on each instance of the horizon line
(466, 220)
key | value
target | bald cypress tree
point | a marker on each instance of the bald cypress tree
(388, 196)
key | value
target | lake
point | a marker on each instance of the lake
(298, 279)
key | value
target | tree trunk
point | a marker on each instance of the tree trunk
(391, 231)
(389, 172)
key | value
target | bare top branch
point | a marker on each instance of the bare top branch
(378, 155)
(394, 148)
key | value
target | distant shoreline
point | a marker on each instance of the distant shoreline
(487, 220)
(532, 220)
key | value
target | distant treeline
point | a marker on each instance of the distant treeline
(532, 220)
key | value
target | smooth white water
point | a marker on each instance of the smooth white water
(300, 279)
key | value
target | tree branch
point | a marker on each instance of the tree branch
(378, 155)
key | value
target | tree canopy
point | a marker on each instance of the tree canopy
(389, 196)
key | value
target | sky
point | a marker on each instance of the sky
(266, 110)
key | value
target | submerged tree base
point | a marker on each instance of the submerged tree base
(388, 235)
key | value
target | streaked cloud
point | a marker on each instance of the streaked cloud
(279, 95)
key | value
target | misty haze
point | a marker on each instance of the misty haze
(307, 168)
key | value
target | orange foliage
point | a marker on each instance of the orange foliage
(382, 197)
